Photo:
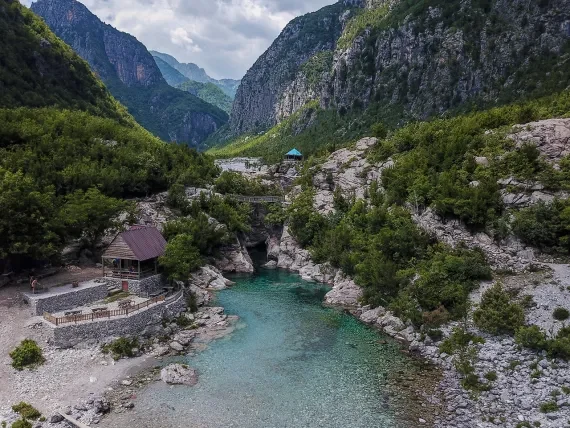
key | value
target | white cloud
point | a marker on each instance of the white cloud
(223, 36)
(180, 37)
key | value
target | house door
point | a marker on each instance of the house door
(126, 286)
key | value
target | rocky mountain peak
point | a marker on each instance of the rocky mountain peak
(126, 57)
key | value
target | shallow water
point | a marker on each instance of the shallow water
(291, 363)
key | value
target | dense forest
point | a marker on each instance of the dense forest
(69, 153)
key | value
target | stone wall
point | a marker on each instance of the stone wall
(145, 286)
(67, 336)
(61, 300)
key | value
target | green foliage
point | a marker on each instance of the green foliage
(497, 314)
(384, 250)
(38, 70)
(208, 92)
(27, 354)
(233, 183)
(305, 223)
(121, 347)
(183, 321)
(60, 172)
(460, 338)
(317, 66)
(546, 226)
(26, 410)
(312, 130)
(181, 257)
(191, 302)
(561, 314)
(363, 19)
(22, 423)
(491, 376)
(549, 407)
(89, 214)
(531, 337)
(235, 215)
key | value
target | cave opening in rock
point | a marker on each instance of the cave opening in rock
(258, 254)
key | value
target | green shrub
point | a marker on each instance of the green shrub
(497, 314)
(26, 410)
(121, 347)
(561, 314)
(514, 364)
(531, 337)
(549, 407)
(21, 423)
(191, 302)
(27, 354)
(183, 321)
(559, 348)
(460, 338)
(491, 376)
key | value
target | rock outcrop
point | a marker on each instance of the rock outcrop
(415, 62)
(209, 278)
(131, 74)
(510, 255)
(235, 259)
(179, 374)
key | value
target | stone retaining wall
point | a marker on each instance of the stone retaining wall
(149, 285)
(69, 298)
(69, 335)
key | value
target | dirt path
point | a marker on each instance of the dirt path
(66, 378)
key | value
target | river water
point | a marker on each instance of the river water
(290, 363)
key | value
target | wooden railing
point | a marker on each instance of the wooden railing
(93, 316)
(127, 274)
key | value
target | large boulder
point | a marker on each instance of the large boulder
(345, 293)
(209, 277)
(179, 374)
(235, 258)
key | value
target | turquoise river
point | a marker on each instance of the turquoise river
(290, 363)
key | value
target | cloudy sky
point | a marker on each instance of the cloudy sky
(223, 36)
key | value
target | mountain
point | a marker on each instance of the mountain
(208, 92)
(131, 74)
(356, 63)
(43, 71)
(197, 74)
(172, 76)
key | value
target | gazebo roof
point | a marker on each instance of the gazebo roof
(138, 243)
(294, 152)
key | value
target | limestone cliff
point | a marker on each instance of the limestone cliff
(413, 59)
(131, 74)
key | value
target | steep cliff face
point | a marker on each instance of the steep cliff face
(416, 59)
(131, 74)
(258, 104)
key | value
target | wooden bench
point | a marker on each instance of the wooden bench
(95, 310)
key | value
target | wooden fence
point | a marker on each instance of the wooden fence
(103, 314)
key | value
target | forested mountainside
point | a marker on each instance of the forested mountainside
(351, 65)
(131, 74)
(43, 71)
(197, 74)
(69, 152)
(208, 92)
(172, 76)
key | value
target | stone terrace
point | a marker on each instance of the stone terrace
(66, 297)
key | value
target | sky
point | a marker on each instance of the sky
(223, 36)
